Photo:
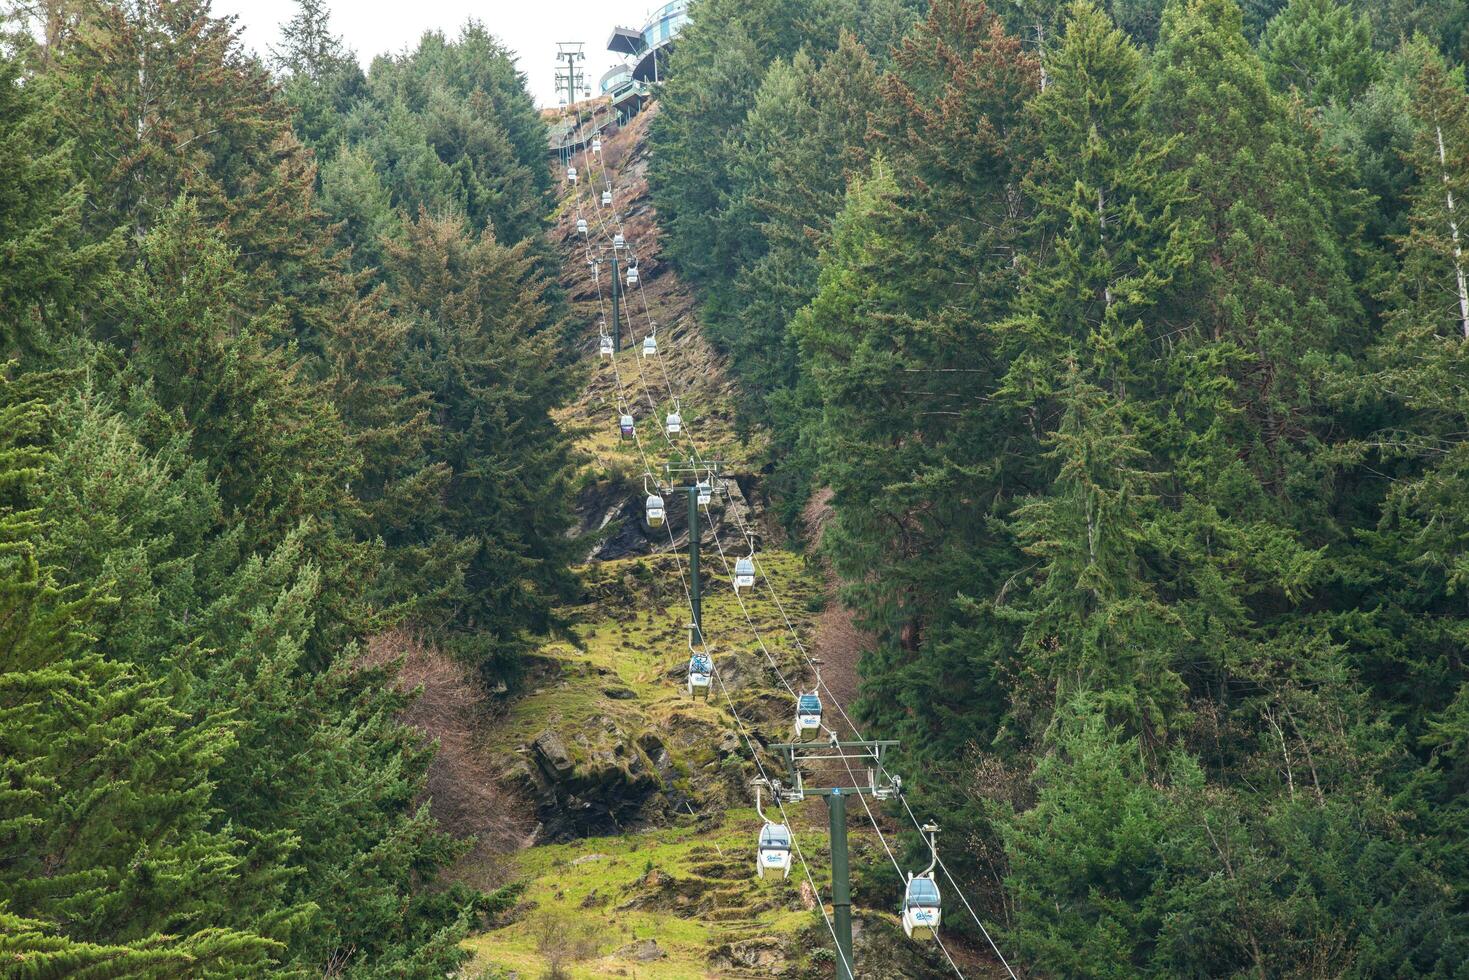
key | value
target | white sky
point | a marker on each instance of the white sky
(531, 28)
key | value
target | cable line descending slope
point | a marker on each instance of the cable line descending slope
(701, 462)
(685, 902)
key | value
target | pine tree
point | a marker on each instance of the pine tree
(452, 126)
(353, 195)
(480, 350)
(1270, 297)
(1322, 50)
(714, 75)
(810, 120)
(48, 271)
(308, 47)
(1093, 623)
(1109, 237)
(1088, 857)
(107, 824)
(280, 452)
(901, 362)
(1414, 556)
(320, 78)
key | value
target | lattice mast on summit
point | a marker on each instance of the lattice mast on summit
(571, 79)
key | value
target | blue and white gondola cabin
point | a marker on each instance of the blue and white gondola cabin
(922, 907)
(744, 575)
(773, 850)
(701, 672)
(808, 716)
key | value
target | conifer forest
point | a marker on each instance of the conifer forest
(446, 535)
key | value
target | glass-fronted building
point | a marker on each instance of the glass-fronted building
(649, 46)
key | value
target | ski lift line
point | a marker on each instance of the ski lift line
(588, 159)
(790, 626)
(744, 735)
(683, 580)
(785, 819)
(698, 455)
(897, 867)
(667, 380)
(856, 731)
(744, 609)
(754, 755)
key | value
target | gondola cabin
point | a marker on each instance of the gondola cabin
(922, 907)
(618, 241)
(674, 423)
(626, 427)
(700, 674)
(706, 493)
(655, 510)
(773, 850)
(744, 576)
(632, 276)
(605, 346)
(581, 226)
(606, 199)
(808, 717)
(571, 174)
(596, 146)
(650, 345)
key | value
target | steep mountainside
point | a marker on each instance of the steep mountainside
(642, 860)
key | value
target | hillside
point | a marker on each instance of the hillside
(642, 861)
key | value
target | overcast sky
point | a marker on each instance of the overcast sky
(529, 27)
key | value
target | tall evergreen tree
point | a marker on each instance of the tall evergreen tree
(108, 829)
(1322, 50)
(1412, 654)
(48, 269)
(902, 359)
(714, 75)
(480, 349)
(1272, 313)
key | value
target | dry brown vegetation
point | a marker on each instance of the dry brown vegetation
(839, 642)
(463, 790)
(563, 939)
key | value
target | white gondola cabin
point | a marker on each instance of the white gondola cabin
(650, 345)
(618, 241)
(581, 226)
(605, 346)
(655, 510)
(571, 174)
(922, 907)
(596, 145)
(674, 423)
(706, 493)
(632, 275)
(773, 850)
(625, 425)
(744, 576)
(808, 717)
(701, 672)
(606, 199)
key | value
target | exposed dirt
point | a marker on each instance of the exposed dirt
(839, 642)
